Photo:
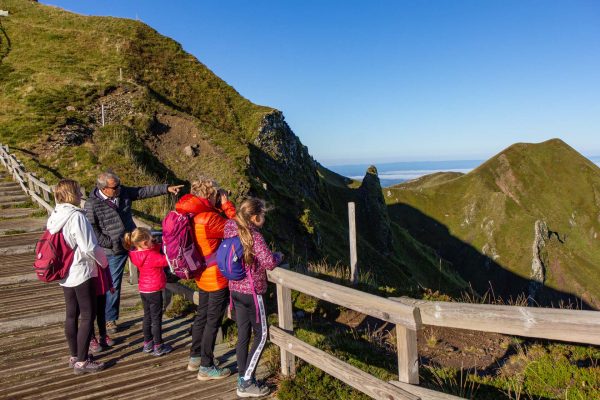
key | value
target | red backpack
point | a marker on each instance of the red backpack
(185, 261)
(53, 257)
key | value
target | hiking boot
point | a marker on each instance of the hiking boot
(161, 349)
(194, 363)
(250, 388)
(148, 347)
(111, 326)
(87, 367)
(209, 373)
(106, 341)
(95, 346)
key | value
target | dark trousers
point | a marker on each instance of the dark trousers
(81, 307)
(209, 317)
(152, 326)
(246, 320)
(100, 316)
(116, 263)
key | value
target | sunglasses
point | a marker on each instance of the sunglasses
(113, 187)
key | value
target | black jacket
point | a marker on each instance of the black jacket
(110, 222)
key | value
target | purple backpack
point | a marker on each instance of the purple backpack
(184, 258)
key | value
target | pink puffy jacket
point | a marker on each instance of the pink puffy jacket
(150, 263)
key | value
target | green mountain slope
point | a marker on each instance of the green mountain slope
(484, 222)
(58, 70)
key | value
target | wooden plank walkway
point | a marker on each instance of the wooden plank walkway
(34, 353)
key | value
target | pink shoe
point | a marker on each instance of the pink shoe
(106, 341)
(95, 346)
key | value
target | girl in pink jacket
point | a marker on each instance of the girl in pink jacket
(247, 294)
(150, 262)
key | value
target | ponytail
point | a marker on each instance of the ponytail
(246, 210)
(127, 241)
(139, 235)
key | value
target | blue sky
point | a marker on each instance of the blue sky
(378, 81)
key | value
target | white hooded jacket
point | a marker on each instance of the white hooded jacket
(78, 234)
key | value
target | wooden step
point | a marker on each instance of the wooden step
(17, 212)
(22, 225)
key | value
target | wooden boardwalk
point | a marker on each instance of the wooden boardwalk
(34, 353)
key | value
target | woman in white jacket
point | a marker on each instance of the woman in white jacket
(79, 285)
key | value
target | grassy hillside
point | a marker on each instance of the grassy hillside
(57, 71)
(483, 222)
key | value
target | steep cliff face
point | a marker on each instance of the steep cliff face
(278, 152)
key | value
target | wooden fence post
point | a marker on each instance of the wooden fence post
(44, 193)
(352, 233)
(286, 322)
(408, 357)
(133, 273)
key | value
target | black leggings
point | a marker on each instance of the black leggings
(249, 317)
(81, 304)
(100, 316)
(209, 316)
(152, 326)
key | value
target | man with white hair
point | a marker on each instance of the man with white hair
(108, 209)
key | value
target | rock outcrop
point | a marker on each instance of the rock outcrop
(373, 218)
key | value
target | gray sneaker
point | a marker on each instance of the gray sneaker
(209, 373)
(194, 363)
(251, 389)
(87, 367)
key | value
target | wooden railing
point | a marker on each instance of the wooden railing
(555, 324)
(37, 189)
(535, 322)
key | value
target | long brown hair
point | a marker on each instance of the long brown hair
(249, 207)
(137, 237)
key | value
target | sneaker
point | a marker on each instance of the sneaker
(95, 346)
(106, 341)
(87, 367)
(148, 347)
(250, 388)
(73, 360)
(208, 373)
(161, 349)
(193, 364)
(111, 327)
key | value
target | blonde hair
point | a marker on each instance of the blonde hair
(249, 207)
(204, 187)
(137, 237)
(67, 191)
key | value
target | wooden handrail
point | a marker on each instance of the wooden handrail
(406, 318)
(543, 323)
(366, 303)
(30, 184)
(345, 372)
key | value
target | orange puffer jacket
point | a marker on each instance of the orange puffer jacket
(209, 223)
